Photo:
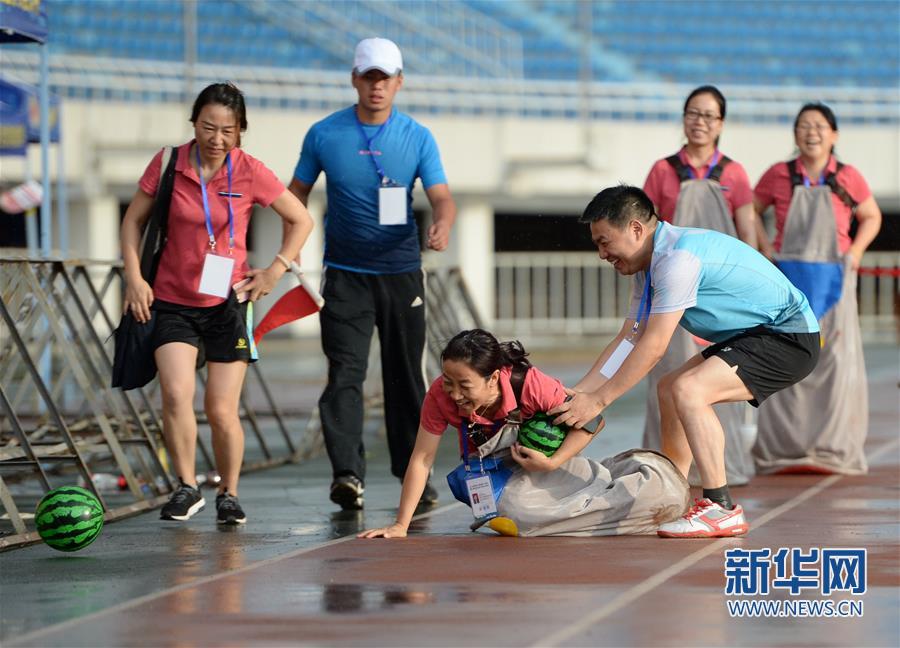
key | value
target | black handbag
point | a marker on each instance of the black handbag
(133, 362)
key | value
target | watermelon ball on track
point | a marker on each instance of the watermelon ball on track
(539, 433)
(69, 518)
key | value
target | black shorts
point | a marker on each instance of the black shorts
(768, 361)
(222, 333)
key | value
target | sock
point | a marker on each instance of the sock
(720, 496)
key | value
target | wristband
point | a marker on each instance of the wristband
(284, 261)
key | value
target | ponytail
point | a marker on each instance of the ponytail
(514, 354)
(483, 353)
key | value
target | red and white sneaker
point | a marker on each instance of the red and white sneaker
(706, 519)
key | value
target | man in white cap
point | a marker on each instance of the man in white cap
(371, 155)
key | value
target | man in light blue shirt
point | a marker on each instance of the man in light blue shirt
(372, 154)
(765, 337)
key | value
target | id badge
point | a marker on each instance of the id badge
(216, 277)
(481, 496)
(612, 364)
(392, 205)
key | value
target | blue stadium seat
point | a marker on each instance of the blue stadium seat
(767, 42)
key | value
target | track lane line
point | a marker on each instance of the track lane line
(651, 583)
(120, 607)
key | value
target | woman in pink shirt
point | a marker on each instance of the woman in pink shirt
(476, 396)
(197, 315)
(815, 135)
(701, 159)
(699, 186)
(819, 424)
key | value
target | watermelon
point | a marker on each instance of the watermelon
(69, 518)
(539, 433)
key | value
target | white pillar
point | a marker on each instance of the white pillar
(94, 230)
(94, 234)
(472, 249)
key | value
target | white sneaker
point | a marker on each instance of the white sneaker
(706, 519)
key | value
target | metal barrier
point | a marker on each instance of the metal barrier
(575, 293)
(62, 420)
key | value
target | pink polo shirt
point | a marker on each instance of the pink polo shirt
(540, 393)
(663, 186)
(774, 188)
(181, 264)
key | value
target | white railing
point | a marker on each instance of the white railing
(87, 77)
(574, 293)
(436, 36)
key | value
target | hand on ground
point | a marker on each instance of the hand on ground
(393, 531)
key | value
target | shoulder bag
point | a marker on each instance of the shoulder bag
(133, 362)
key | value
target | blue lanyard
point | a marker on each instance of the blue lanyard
(644, 308)
(378, 168)
(712, 165)
(206, 212)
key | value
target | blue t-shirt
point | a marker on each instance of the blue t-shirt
(406, 150)
(724, 286)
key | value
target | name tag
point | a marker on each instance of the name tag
(216, 277)
(481, 497)
(392, 206)
(612, 364)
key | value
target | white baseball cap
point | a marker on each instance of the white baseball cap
(379, 54)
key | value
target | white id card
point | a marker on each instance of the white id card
(392, 205)
(612, 364)
(216, 277)
(481, 497)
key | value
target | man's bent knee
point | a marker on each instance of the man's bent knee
(686, 393)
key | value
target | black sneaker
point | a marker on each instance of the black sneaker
(228, 509)
(347, 491)
(429, 495)
(184, 503)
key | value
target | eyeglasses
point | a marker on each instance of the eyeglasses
(808, 128)
(696, 115)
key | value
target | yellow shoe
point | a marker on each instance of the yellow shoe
(504, 526)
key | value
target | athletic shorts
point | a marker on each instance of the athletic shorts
(222, 333)
(768, 361)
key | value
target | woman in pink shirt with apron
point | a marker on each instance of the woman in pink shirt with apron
(700, 187)
(819, 425)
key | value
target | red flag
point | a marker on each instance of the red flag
(295, 304)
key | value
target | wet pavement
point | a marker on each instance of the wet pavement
(295, 575)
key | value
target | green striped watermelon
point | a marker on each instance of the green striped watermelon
(69, 518)
(539, 433)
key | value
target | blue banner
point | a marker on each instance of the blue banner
(22, 21)
(20, 117)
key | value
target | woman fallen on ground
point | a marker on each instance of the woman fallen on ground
(561, 494)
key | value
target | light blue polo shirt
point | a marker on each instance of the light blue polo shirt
(406, 150)
(724, 286)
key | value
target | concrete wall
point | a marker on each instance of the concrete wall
(108, 144)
